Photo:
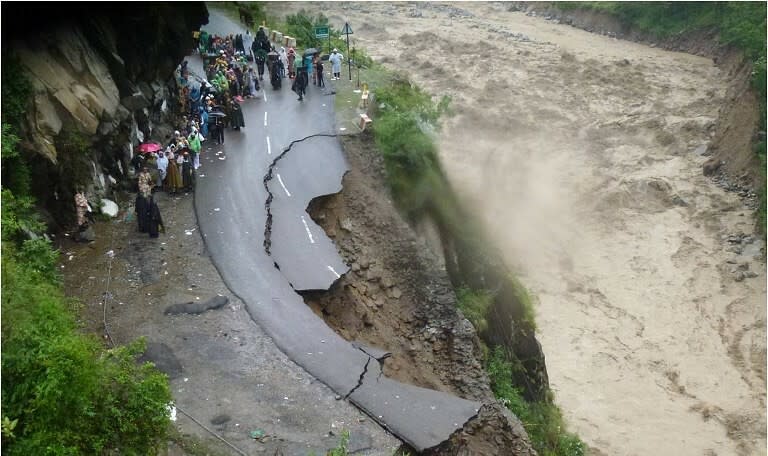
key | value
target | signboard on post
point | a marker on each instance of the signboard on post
(322, 31)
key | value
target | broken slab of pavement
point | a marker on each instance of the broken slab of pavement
(423, 418)
(305, 256)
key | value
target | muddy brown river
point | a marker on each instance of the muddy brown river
(582, 154)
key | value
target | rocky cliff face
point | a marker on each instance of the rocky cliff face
(102, 79)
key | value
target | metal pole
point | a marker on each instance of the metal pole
(357, 66)
(349, 57)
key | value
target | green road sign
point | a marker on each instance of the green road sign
(322, 32)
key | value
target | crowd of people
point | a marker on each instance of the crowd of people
(210, 104)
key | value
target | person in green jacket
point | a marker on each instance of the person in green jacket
(194, 147)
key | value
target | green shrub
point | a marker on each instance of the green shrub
(302, 27)
(402, 134)
(40, 258)
(18, 215)
(542, 420)
(62, 393)
(474, 304)
(68, 394)
(9, 142)
(15, 170)
(16, 90)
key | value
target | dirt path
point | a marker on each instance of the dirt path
(583, 154)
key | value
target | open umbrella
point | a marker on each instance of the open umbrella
(149, 147)
(216, 114)
(310, 51)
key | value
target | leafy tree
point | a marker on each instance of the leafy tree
(302, 27)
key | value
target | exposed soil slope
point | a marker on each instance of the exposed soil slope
(397, 298)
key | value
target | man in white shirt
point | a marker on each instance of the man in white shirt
(336, 58)
(162, 168)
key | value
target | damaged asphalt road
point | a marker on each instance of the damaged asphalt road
(305, 256)
(231, 212)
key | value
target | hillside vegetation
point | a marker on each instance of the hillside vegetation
(64, 393)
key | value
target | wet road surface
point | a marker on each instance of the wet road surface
(233, 204)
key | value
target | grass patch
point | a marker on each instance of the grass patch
(542, 420)
(474, 304)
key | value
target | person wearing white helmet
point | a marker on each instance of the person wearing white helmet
(336, 58)
(284, 60)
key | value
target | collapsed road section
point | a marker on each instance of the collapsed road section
(421, 417)
(232, 216)
(306, 258)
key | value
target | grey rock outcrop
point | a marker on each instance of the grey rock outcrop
(98, 90)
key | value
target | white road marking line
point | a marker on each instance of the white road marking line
(306, 227)
(265, 118)
(334, 272)
(265, 95)
(269, 147)
(283, 185)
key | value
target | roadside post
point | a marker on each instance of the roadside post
(347, 30)
(357, 65)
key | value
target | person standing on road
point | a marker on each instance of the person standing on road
(81, 204)
(142, 213)
(283, 62)
(336, 58)
(260, 57)
(194, 147)
(162, 169)
(251, 82)
(291, 63)
(174, 180)
(145, 182)
(319, 73)
(315, 59)
(301, 82)
(237, 119)
(154, 219)
(308, 66)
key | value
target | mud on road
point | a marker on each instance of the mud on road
(224, 370)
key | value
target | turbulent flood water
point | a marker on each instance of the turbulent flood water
(583, 154)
